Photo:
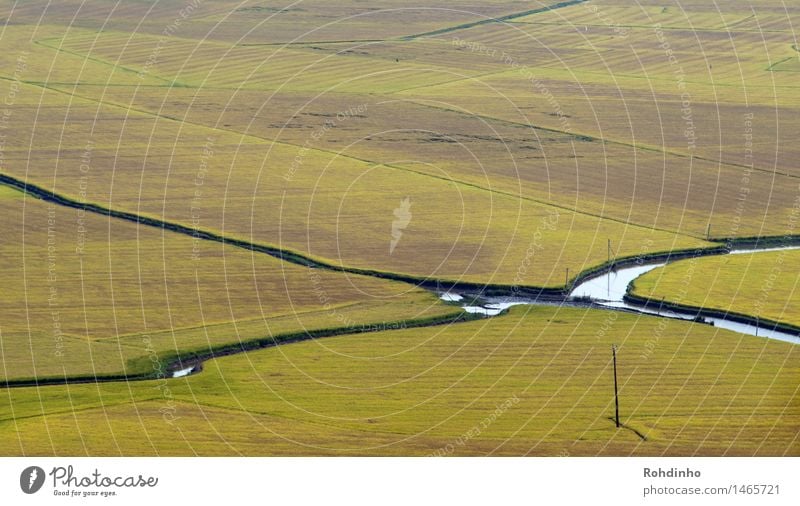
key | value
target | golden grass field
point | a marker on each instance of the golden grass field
(756, 284)
(489, 147)
(520, 148)
(327, 206)
(544, 373)
(106, 299)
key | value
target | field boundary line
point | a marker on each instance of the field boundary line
(646, 27)
(326, 424)
(316, 42)
(378, 164)
(102, 405)
(498, 19)
(734, 316)
(543, 202)
(100, 61)
(177, 360)
(552, 292)
(224, 323)
(584, 136)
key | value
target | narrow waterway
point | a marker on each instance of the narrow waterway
(185, 372)
(608, 290)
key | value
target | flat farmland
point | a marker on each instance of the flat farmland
(87, 295)
(267, 191)
(756, 284)
(260, 22)
(334, 208)
(390, 145)
(725, 179)
(535, 382)
(454, 142)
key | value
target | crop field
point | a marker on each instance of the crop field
(757, 284)
(94, 296)
(190, 180)
(495, 387)
(325, 205)
(350, 112)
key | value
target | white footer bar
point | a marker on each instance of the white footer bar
(399, 481)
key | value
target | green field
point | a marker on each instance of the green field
(257, 174)
(756, 284)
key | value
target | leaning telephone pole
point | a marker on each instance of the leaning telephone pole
(616, 393)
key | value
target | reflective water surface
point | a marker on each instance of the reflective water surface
(608, 290)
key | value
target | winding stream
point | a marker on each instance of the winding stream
(608, 290)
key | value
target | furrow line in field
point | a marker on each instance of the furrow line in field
(374, 163)
(195, 358)
(584, 136)
(122, 68)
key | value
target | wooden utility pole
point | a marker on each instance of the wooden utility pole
(609, 252)
(566, 280)
(708, 232)
(616, 393)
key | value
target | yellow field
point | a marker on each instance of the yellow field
(535, 382)
(429, 144)
(757, 284)
(87, 295)
(334, 208)
(466, 174)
